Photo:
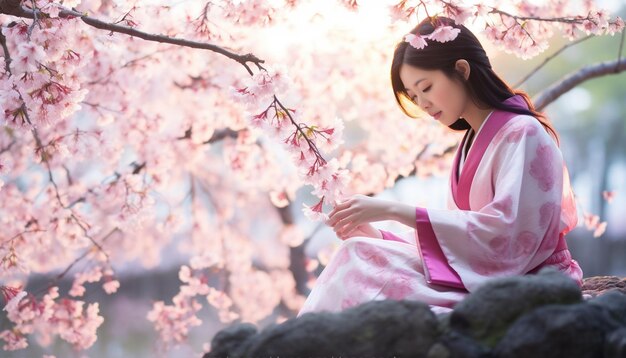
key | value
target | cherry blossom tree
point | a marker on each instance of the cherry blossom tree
(131, 126)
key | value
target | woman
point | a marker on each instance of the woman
(510, 202)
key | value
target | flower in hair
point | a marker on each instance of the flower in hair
(441, 34)
(444, 34)
(417, 41)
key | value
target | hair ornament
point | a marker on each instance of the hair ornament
(441, 34)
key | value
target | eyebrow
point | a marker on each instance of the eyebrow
(415, 84)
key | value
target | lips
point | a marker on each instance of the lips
(436, 115)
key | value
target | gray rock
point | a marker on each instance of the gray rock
(615, 302)
(615, 345)
(444, 321)
(377, 328)
(229, 340)
(438, 350)
(556, 331)
(487, 313)
(526, 316)
(455, 345)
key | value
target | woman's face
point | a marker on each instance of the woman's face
(441, 97)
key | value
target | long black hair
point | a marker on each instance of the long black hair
(483, 85)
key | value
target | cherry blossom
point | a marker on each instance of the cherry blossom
(444, 34)
(115, 148)
(600, 229)
(13, 302)
(609, 196)
(66, 318)
(416, 41)
(111, 286)
(592, 222)
(315, 212)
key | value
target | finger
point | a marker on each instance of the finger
(344, 235)
(338, 223)
(341, 206)
(340, 215)
(338, 231)
(348, 233)
(334, 212)
(349, 228)
(349, 222)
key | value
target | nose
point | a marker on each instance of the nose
(423, 103)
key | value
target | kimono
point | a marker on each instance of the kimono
(509, 208)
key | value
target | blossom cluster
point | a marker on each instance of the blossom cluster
(66, 318)
(221, 271)
(260, 95)
(524, 34)
(592, 222)
(173, 322)
(44, 83)
(95, 274)
(249, 12)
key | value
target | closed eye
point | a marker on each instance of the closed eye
(427, 89)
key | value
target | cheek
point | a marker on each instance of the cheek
(439, 97)
(450, 98)
(457, 100)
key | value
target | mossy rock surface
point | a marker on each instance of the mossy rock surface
(541, 315)
(487, 313)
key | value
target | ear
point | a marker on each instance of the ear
(463, 67)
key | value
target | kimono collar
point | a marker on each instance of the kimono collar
(516, 101)
(461, 184)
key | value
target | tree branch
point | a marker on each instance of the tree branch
(13, 7)
(69, 267)
(45, 158)
(7, 55)
(8, 147)
(297, 258)
(219, 135)
(570, 81)
(216, 137)
(20, 234)
(10, 7)
(549, 58)
(565, 19)
(621, 46)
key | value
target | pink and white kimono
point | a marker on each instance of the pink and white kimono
(510, 205)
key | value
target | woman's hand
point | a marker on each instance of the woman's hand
(356, 213)
(366, 230)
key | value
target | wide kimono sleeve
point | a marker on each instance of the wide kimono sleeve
(407, 236)
(516, 230)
